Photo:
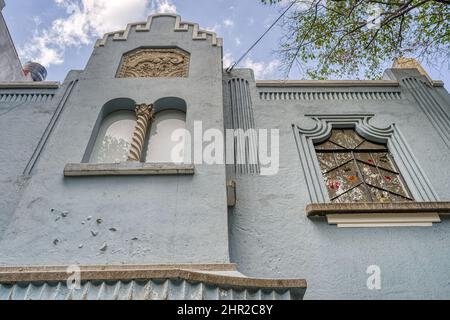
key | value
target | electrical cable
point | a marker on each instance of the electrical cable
(230, 68)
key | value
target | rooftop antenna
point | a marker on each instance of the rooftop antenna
(230, 68)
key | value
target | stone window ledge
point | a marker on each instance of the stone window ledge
(418, 214)
(126, 169)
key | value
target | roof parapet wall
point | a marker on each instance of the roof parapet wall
(180, 26)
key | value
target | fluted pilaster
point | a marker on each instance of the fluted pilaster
(144, 114)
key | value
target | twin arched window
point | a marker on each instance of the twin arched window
(115, 135)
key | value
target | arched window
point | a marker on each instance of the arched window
(357, 170)
(160, 144)
(114, 138)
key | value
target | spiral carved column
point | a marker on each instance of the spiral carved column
(144, 114)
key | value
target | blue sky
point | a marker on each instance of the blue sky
(61, 33)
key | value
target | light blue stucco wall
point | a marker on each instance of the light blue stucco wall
(185, 219)
(270, 235)
(176, 219)
(24, 115)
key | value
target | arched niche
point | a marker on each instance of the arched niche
(168, 103)
(114, 105)
(170, 115)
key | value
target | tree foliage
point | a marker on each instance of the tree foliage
(342, 37)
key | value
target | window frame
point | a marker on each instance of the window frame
(315, 128)
(85, 168)
(358, 164)
(424, 211)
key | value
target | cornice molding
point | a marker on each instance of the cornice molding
(334, 83)
(30, 85)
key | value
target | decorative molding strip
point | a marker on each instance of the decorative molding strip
(334, 83)
(49, 129)
(30, 85)
(414, 176)
(174, 288)
(144, 282)
(180, 26)
(330, 95)
(327, 83)
(430, 106)
(25, 97)
(240, 101)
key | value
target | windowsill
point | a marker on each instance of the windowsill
(126, 169)
(406, 214)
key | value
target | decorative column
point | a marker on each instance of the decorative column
(145, 115)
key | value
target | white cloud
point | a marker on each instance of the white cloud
(228, 59)
(228, 23)
(87, 20)
(262, 69)
(237, 41)
(163, 6)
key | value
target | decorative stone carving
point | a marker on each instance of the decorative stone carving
(144, 114)
(149, 63)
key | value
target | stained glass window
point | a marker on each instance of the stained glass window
(358, 170)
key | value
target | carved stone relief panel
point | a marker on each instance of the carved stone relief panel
(150, 63)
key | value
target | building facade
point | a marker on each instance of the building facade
(346, 185)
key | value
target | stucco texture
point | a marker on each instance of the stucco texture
(49, 219)
(270, 234)
(165, 219)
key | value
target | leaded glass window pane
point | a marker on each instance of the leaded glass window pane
(357, 170)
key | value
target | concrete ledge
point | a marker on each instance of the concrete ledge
(438, 83)
(30, 85)
(126, 169)
(323, 209)
(192, 273)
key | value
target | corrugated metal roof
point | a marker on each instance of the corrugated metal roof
(170, 289)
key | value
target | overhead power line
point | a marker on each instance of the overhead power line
(230, 68)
